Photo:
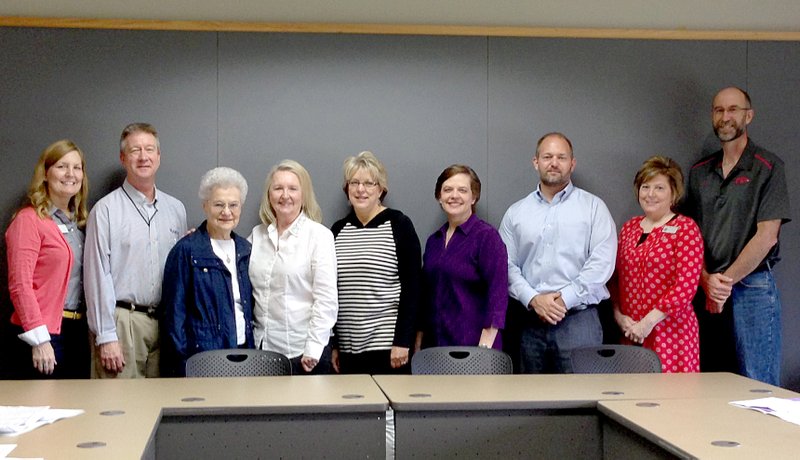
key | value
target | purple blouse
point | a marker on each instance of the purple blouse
(465, 285)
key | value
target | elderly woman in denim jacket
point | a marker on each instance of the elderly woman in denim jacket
(207, 296)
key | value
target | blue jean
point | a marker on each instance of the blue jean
(546, 349)
(756, 307)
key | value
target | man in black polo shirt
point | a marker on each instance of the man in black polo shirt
(739, 198)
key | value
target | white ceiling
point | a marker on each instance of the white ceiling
(741, 15)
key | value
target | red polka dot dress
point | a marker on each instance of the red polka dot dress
(663, 272)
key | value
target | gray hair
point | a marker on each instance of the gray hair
(137, 128)
(222, 177)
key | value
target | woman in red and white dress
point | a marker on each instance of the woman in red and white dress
(659, 260)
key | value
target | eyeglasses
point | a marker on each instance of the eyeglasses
(732, 110)
(369, 185)
(219, 206)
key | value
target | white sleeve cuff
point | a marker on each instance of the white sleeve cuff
(35, 336)
(313, 350)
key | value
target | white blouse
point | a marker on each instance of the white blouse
(226, 251)
(294, 285)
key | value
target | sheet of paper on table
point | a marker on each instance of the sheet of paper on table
(16, 420)
(784, 408)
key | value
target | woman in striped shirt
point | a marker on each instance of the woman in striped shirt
(378, 266)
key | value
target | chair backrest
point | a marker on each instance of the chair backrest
(615, 359)
(237, 363)
(461, 360)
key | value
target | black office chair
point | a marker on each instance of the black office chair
(461, 361)
(615, 359)
(237, 363)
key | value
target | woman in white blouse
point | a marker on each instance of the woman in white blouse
(293, 272)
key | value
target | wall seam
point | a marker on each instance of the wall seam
(488, 161)
(217, 95)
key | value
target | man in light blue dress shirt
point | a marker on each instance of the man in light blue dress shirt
(562, 245)
(129, 233)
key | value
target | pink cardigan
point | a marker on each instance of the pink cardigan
(39, 264)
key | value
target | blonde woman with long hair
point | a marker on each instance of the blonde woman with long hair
(293, 272)
(48, 336)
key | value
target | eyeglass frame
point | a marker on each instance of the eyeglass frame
(368, 185)
(733, 110)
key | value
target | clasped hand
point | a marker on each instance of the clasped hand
(549, 306)
(718, 288)
(635, 331)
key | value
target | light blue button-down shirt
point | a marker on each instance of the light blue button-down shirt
(127, 242)
(567, 245)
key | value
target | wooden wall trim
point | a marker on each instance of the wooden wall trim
(399, 29)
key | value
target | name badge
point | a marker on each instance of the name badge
(63, 228)
(671, 229)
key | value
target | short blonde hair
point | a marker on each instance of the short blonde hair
(309, 206)
(39, 194)
(656, 165)
(367, 161)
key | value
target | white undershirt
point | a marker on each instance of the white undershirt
(226, 251)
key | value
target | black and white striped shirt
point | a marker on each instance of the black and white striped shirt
(372, 265)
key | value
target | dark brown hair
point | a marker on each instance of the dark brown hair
(452, 170)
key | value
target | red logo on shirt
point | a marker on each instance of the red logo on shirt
(741, 180)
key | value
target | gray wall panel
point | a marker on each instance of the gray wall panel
(773, 74)
(420, 103)
(618, 101)
(417, 102)
(88, 85)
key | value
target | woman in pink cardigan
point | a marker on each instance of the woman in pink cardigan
(48, 337)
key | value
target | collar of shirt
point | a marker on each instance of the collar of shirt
(558, 197)
(293, 230)
(59, 216)
(352, 219)
(464, 228)
(745, 162)
(138, 197)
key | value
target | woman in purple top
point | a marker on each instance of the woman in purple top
(465, 282)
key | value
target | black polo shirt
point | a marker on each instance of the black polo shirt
(728, 210)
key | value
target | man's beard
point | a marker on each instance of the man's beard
(727, 137)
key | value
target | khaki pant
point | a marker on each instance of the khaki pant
(138, 338)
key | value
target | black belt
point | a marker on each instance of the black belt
(148, 310)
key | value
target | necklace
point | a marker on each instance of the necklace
(225, 249)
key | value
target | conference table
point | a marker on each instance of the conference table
(512, 416)
(694, 428)
(333, 416)
(585, 416)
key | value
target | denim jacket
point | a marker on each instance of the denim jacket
(197, 301)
